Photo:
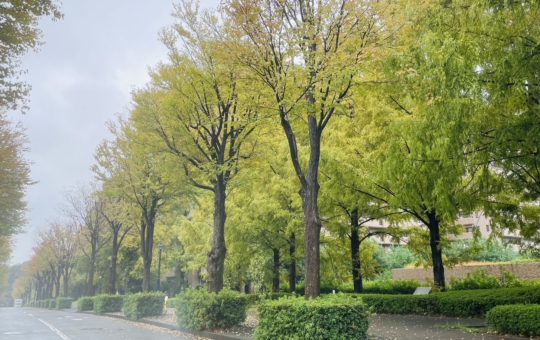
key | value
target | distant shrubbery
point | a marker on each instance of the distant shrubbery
(331, 317)
(200, 310)
(381, 285)
(63, 303)
(479, 279)
(171, 303)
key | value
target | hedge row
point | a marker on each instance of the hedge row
(454, 303)
(140, 305)
(108, 303)
(330, 318)
(58, 303)
(200, 310)
(515, 319)
(85, 303)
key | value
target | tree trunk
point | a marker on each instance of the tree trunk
(355, 253)
(66, 280)
(292, 268)
(146, 254)
(215, 259)
(275, 277)
(436, 251)
(112, 267)
(90, 283)
(312, 224)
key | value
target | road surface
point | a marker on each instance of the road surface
(43, 324)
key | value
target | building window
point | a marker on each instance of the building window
(487, 227)
(382, 238)
(468, 228)
(380, 222)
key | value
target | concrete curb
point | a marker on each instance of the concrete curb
(204, 334)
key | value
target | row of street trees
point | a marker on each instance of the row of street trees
(276, 130)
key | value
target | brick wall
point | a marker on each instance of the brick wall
(524, 271)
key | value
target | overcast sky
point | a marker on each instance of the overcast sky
(81, 78)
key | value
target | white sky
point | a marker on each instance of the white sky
(81, 78)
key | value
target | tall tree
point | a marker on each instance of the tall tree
(85, 209)
(18, 34)
(308, 54)
(199, 109)
(134, 174)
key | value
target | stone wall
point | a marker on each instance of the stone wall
(524, 271)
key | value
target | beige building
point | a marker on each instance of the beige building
(477, 219)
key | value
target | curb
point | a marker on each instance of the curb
(204, 334)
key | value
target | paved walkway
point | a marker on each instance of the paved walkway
(404, 327)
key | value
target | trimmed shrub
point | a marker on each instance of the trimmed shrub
(200, 310)
(251, 299)
(52, 303)
(454, 303)
(85, 303)
(108, 303)
(515, 319)
(379, 286)
(171, 303)
(140, 305)
(63, 302)
(332, 317)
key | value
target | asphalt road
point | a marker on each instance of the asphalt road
(42, 324)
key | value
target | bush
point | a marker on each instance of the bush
(63, 302)
(251, 299)
(377, 286)
(331, 317)
(515, 319)
(108, 303)
(200, 310)
(85, 303)
(52, 303)
(171, 303)
(479, 279)
(139, 305)
(454, 303)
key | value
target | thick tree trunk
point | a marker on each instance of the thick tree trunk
(312, 224)
(275, 276)
(112, 267)
(436, 251)
(355, 253)
(215, 259)
(292, 268)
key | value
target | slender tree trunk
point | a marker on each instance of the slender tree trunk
(292, 268)
(112, 266)
(275, 277)
(146, 253)
(215, 259)
(355, 253)
(90, 283)
(436, 250)
(66, 281)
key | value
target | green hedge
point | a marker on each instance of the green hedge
(85, 303)
(63, 302)
(332, 317)
(480, 279)
(140, 305)
(52, 303)
(454, 303)
(515, 319)
(385, 286)
(171, 303)
(200, 310)
(108, 303)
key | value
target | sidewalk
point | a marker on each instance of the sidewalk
(404, 327)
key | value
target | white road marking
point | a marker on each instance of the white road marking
(60, 334)
(30, 314)
(76, 319)
(9, 333)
